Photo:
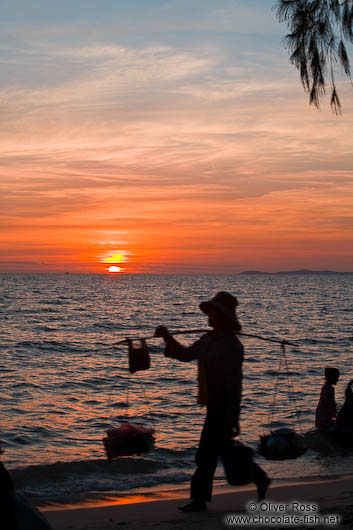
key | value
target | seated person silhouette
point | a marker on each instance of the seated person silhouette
(345, 415)
(325, 419)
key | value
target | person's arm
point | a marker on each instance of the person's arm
(174, 349)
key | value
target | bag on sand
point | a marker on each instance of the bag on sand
(127, 440)
(27, 517)
(282, 444)
(238, 464)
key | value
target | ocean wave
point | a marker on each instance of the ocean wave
(87, 478)
(53, 346)
(46, 329)
(109, 326)
(57, 301)
(65, 471)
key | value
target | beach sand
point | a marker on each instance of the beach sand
(333, 497)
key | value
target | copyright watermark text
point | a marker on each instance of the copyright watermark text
(269, 513)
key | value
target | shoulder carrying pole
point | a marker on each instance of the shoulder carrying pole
(191, 331)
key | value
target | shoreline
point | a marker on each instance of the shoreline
(334, 495)
(177, 491)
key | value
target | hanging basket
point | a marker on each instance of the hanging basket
(139, 357)
(128, 440)
(282, 444)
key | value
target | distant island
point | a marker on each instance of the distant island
(300, 271)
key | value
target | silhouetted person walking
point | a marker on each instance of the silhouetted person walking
(220, 356)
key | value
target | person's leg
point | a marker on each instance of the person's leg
(213, 439)
(201, 482)
(261, 480)
(206, 462)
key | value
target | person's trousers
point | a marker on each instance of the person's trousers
(216, 438)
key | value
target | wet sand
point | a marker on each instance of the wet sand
(333, 498)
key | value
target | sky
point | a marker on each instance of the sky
(165, 136)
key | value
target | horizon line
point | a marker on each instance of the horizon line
(246, 272)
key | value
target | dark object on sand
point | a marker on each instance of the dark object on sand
(337, 441)
(128, 440)
(238, 464)
(139, 357)
(16, 512)
(282, 444)
(28, 517)
(7, 503)
(342, 438)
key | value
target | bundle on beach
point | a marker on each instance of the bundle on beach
(282, 444)
(128, 440)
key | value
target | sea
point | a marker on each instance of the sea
(65, 380)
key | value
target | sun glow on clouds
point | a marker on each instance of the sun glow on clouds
(115, 258)
(199, 155)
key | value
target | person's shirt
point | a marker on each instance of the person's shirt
(326, 409)
(220, 357)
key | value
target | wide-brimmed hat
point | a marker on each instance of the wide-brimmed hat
(223, 302)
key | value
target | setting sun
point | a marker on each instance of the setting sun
(113, 268)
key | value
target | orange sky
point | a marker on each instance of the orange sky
(181, 150)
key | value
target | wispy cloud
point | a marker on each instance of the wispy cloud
(174, 141)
